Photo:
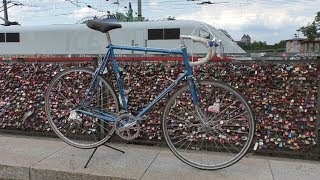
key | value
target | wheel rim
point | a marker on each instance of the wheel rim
(219, 142)
(64, 95)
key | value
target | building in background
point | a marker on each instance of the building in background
(246, 39)
(302, 45)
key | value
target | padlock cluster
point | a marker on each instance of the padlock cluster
(283, 96)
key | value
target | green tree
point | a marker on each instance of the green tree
(280, 45)
(258, 46)
(312, 30)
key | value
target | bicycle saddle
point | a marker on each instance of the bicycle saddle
(101, 26)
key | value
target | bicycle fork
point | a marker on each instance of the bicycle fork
(193, 89)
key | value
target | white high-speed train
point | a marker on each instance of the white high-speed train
(78, 42)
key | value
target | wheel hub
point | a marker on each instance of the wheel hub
(75, 116)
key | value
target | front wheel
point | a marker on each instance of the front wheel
(213, 136)
(66, 93)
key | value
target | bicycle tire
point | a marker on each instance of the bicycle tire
(207, 143)
(80, 131)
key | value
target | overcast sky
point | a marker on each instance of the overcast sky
(263, 20)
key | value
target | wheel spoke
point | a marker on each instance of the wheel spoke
(221, 111)
(229, 120)
(64, 84)
(65, 93)
(203, 142)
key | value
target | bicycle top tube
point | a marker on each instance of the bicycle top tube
(147, 49)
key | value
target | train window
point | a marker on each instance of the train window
(2, 37)
(155, 34)
(172, 33)
(161, 34)
(12, 37)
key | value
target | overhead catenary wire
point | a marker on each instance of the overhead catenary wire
(68, 7)
(94, 3)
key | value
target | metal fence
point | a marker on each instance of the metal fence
(283, 93)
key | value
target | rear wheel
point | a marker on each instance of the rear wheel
(214, 137)
(65, 93)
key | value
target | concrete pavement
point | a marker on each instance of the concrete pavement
(49, 158)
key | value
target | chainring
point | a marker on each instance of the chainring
(127, 127)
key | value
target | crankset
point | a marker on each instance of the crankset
(127, 127)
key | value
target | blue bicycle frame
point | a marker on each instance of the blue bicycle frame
(111, 55)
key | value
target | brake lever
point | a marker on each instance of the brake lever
(213, 43)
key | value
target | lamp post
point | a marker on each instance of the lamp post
(139, 11)
(5, 10)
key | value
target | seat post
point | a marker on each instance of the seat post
(108, 38)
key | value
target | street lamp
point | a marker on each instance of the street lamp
(5, 8)
(298, 30)
(5, 11)
(9, 23)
